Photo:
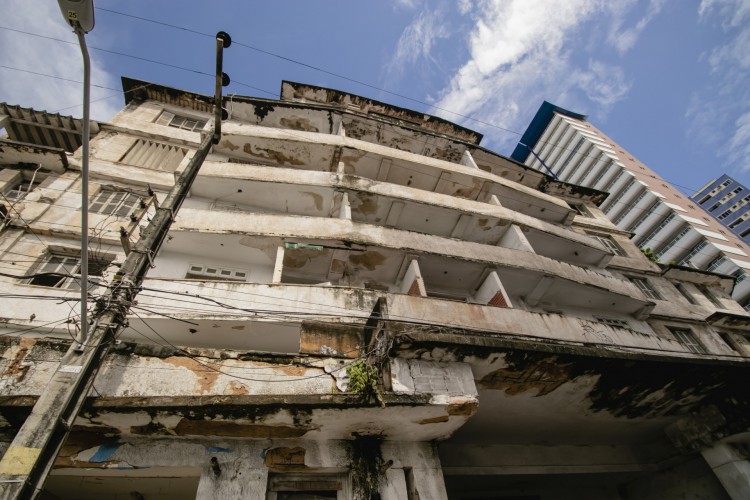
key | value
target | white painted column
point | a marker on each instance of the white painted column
(416, 473)
(515, 239)
(413, 284)
(492, 292)
(345, 209)
(393, 485)
(238, 479)
(468, 160)
(731, 468)
(278, 267)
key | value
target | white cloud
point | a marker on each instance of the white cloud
(418, 39)
(625, 39)
(739, 144)
(521, 53)
(603, 84)
(407, 4)
(734, 12)
(721, 113)
(464, 6)
(48, 57)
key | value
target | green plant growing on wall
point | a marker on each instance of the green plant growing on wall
(364, 380)
(650, 254)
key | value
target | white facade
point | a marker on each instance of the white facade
(522, 344)
(640, 202)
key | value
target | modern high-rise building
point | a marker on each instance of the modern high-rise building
(728, 201)
(356, 301)
(657, 215)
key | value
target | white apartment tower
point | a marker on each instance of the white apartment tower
(658, 215)
(359, 302)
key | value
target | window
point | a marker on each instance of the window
(710, 296)
(629, 207)
(644, 216)
(197, 271)
(658, 228)
(716, 263)
(154, 155)
(120, 203)
(608, 243)
(672, 242)
(181, 122)
(58, 266)
(687, 338)
(729, 341)
(645, 287)
(613, 202)
(614, 322)
(580, 209)
(697, 248)
(570, 157)
(688, 296)
(20, 189)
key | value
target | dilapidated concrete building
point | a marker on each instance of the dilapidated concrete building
(358, 301)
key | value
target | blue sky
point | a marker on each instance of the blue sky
(667, 79)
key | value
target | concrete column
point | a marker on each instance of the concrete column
(237, 479)
(416, 473)
(393, 485)
(278, 267)
(515, 239)
(732, 469)
(413, 284)
(345, 209)
(468, 161)
(494, 200)
(492, 292)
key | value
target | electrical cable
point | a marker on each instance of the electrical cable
(286, 380)
(162, 63)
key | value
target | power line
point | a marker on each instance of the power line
(174, 66)
(328, 72)
(557, 146)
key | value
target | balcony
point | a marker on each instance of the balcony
(334, 153)
(254, 188)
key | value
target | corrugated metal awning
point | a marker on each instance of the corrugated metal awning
(42, 128)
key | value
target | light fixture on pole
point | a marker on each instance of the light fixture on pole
(79, 14)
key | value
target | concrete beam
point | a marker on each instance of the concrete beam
(732, 469)
(537, 294)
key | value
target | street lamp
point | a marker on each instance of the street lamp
(79, 14)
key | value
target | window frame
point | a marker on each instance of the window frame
(111, 205)
(716, 301)
(171, 119)
(645, 287)
(688, 339)
(619, 323)
(581, 210)
(69, 264)
(609, 243)
(201, 271)
(29, 185)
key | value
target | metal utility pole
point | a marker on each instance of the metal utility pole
(80, 15)
(29, 459)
